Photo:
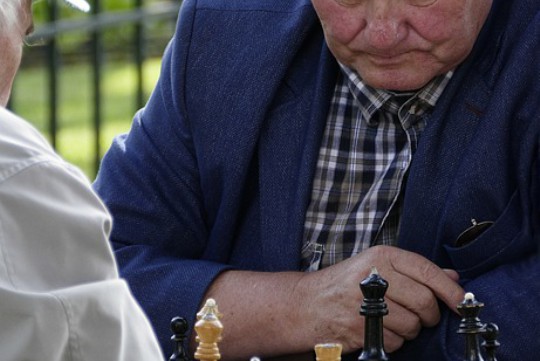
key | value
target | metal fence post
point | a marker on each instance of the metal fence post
(139, 44)
(53, 66)
(97, 64)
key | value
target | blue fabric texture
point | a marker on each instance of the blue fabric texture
(216, 171)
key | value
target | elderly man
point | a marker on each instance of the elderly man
(291, 145)
(61, 297)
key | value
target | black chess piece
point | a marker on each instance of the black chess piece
(373, 309)
(179, 328)
(471, 326)
(490, 343)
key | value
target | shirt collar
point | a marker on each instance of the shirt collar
(415, 102)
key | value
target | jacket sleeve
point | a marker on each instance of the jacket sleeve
(61, 295)
(149, 181)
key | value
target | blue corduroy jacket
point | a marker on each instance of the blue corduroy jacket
(217, 169)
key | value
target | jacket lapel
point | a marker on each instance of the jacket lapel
(289, 150)
(441, 152)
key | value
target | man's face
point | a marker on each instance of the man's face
(401, 44)
(11, 43)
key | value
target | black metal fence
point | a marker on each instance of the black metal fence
(139, 17)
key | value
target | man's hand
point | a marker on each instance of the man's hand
(286, 313)
(332, 296)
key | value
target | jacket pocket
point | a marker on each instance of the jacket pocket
(503, 242)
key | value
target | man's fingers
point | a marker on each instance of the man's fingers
(414, 297)
(427, 273)
(452, 274)
(402, 321)
(392, 341)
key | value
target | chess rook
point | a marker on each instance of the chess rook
(208, 329)
(373, 309)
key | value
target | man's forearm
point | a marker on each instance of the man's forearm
(260, 314)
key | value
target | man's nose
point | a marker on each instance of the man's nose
(384, 26)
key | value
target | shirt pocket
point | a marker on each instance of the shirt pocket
(503, 242)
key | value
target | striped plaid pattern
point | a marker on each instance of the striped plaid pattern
(369, 141)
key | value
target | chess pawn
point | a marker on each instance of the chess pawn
(179, 328)
(328, 351)
(373, 309)
(490, 343)
(208, 329)
(470, 326)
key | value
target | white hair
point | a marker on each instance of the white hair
(9, 13)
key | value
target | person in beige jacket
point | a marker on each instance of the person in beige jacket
(61, 296)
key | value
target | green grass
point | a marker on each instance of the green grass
(75, 138)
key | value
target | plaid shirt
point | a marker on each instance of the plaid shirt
(369, 141)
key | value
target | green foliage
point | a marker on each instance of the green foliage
(76, 138)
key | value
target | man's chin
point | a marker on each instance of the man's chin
(395, 83)
(397, 80)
